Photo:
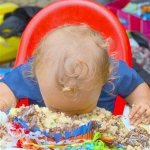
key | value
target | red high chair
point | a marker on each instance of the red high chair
(76, 12)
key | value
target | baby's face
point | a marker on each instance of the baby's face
(55, 99)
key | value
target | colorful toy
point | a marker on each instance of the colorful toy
(137, 20)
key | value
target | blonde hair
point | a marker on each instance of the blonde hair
(77, 63)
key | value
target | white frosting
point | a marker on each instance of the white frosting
(3, 117)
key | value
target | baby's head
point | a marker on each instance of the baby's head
(71, 65)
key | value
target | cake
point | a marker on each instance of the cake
(40, 128)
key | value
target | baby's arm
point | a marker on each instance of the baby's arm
(132, 87)
(139, 99)
(7, 98)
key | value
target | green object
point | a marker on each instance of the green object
(97, 144)
(97, 136)
(129, 34)
(131, 8)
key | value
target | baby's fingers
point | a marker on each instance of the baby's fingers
(146, 121)
(138, 116)
(134, 111)
(139, 120)
(147, 117)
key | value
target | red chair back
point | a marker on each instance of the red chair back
(76, 12)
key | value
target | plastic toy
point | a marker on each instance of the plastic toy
(76, 12)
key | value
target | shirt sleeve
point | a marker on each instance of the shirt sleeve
(22, 83)
(128, 79)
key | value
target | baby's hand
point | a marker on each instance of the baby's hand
(140, 113)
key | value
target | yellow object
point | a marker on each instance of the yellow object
(1, 18)
(7, 7)
(8, 46)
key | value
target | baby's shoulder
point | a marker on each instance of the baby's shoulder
(123, 69)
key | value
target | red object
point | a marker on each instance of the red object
(19, 144)
(76, 12)
(23, 102)
(118, 3)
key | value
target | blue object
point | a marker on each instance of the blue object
(21, 122)
(47, 134)
(77, 132)
(23, 86)
(57, 137)
(67, 134)
(120, 146)
(146, 16)
(3, 71)
(124, 21)
(35, 129)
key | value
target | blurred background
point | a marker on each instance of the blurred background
(133, 14)
(40, 3)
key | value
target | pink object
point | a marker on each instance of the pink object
(132, 22)
(118, 3)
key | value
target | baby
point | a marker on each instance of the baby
(71, 71)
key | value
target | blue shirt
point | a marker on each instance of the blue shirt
(23, 86)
